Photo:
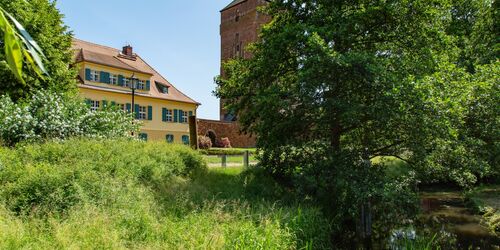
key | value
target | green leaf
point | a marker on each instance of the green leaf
(13, 49)
(36, 61)
(27, 37)
(31, 45)
(33, 64)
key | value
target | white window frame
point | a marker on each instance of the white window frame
(94, 75)
(185, 116)
(169, 115)
(94, 105)
(126, 82)
(143, 113)
(140, 84)
(113, 79)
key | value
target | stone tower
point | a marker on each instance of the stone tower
(240, 25)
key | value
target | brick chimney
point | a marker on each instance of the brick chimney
(128, 51)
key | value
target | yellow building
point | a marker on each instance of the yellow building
(106, 75)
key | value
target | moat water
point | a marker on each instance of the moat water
(452, 225)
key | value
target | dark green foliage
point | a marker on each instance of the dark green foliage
(470, 152)
(335, 84)
(44, 22)
(476, 32)
(332, 85)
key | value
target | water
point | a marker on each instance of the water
(445, 214)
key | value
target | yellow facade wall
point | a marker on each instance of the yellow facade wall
(156, 129)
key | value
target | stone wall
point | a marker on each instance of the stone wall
(230, 130)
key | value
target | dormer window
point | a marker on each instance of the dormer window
(94, 75)
(113, 79)
(126, 82)
(140, 84)
(162, 88)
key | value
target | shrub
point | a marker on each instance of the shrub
(50, 178)
(225, 143)
(204, 142)
(53, 116)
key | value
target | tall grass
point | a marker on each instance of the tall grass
(125, 194)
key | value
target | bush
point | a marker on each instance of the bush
(51, 178)
(53, 116)
(225, 143)
(204, 142)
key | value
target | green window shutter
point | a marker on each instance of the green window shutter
(150, 113)
(190, 113)
(136, 109)
(113, 103)
(148, 85)
(104, 103)
(120, 80)
(176, 118)
(101, 77)
(87, 74)
(164, 114)
(181, 116)
(87, 101)
(104, 77)
(129, 107)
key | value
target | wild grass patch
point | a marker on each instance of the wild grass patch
(126, 194)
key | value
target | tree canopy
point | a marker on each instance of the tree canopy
(43, 21)
(347, 73)
(334, 82)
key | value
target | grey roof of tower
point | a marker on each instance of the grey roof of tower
(233, 3)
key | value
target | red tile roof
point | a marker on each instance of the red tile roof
(103, 55)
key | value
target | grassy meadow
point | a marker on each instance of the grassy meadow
(89, 194)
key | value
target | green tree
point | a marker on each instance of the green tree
(470, 154)
(43, 21)
(346, 73)
(471, 151)
(475, 30)
(334, 82)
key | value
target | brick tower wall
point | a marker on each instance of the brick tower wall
(240, 26)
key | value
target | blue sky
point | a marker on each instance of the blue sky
(178, 38)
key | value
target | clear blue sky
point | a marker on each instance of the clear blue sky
(178, 38)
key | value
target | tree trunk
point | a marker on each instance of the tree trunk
(335, 137)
